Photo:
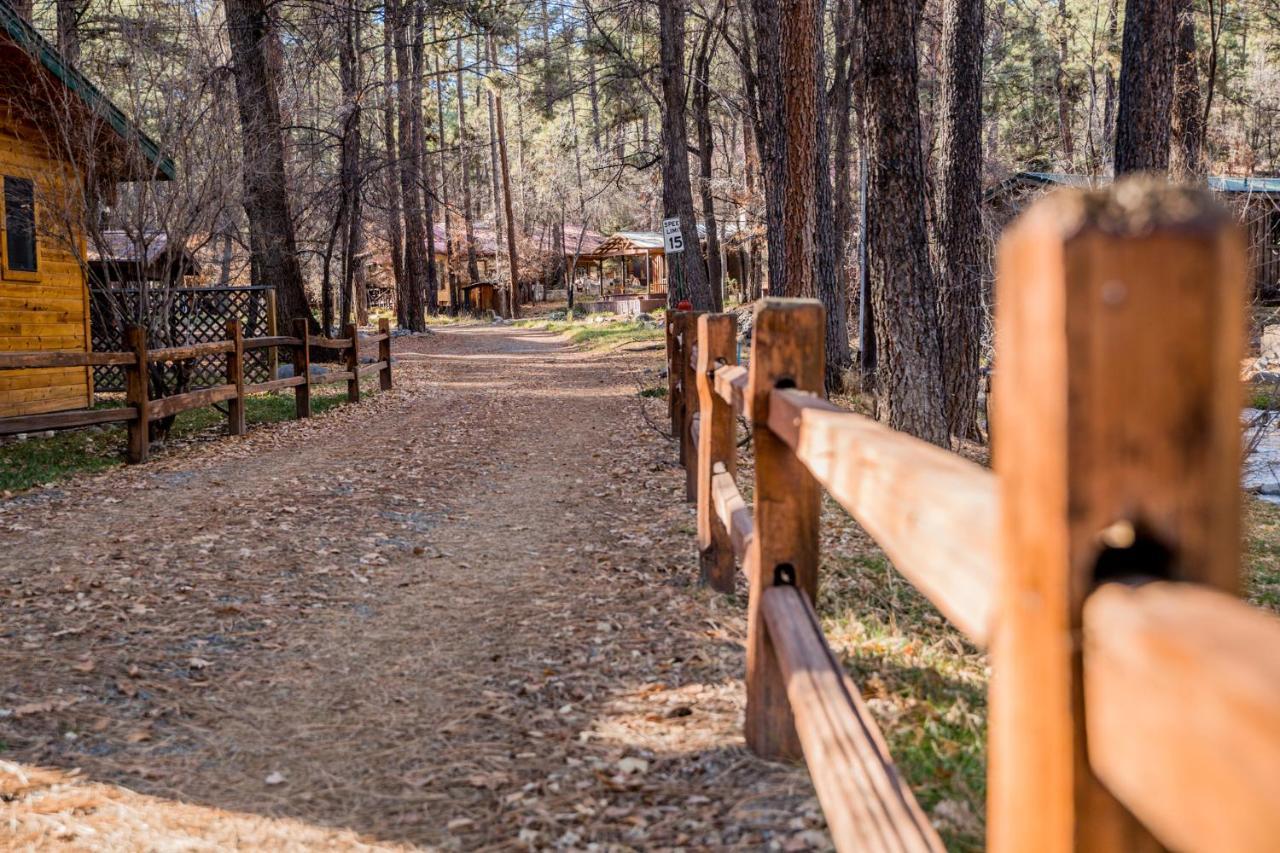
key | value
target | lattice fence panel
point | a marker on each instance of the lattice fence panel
(190, 315)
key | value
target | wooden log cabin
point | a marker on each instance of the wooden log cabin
(61, 142)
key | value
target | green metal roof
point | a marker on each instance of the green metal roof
(26, 37)
(1218, 183)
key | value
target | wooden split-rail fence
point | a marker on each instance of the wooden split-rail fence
(140, 409)
(1134, 699)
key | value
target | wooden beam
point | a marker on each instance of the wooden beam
(384, 353)
(166, 406)
(1182, 699)
(717, 447)
(733, 511)
(1119, 452)
(731, 386)
(932, 511)
(867, 804)
(56, 358)
(275, 385)
(137, 396)
(353, 363)
(185, 353)
(302, 368)
(787, 349)
(235, 377)
(273, 341)
(65, 420)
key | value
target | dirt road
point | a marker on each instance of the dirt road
(460, 615)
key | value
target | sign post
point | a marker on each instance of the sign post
(673, 244)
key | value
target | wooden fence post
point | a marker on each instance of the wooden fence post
(717, 445)
(352, 331)
(235, 376)
(384, 354)
(273, 357)
(302, 367)
(675, 376)
(689, 399)
(1117, 375)
(672, 344)
(138, 396)
(787, 351)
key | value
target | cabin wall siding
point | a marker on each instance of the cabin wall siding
(53, 312)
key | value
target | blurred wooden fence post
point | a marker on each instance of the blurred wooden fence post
(352, 331)
(1119, 333)
(717, 445)
(137, 396)
(689, 398)
(235, 376)
(302, 367)
(273, 357)
(384, 354)
(787, 351)
(673, 378)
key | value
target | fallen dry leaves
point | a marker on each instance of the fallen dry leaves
(459, 615)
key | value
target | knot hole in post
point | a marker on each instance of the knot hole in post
(1131, 553)
(784, 574)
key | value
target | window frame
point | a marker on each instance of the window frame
(7, 272)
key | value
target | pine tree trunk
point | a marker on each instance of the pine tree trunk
(422, 175)
(349, 63)
(395, 205)
(513, 260)
(706, 148)
(1186, 157)
(450, 276)
(677, 197)
(1059, 84)
(415, 238)
(1146, 87)
(464, 154)
(832, 289)
(69, 29)
(266, 196)
(771, 140)
(959, 223)
(903, 296)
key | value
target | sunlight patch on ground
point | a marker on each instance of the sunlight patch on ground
(61, 810)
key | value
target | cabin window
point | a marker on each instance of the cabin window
(19, 225)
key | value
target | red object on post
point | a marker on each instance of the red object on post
(684, 305)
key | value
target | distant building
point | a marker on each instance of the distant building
(44, 299)
(1256, 200)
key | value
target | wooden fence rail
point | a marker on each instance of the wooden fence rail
(141, 408)
(1135, 702)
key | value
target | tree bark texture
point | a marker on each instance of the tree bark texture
(829, 277)
(415, 238)
(903, 297)
(1146, 86)
(770, 138)
(395, 205)
(272, 243)
(959, 222)
(1186, 156)
(677, 197)
(464, 154)
(706, 148)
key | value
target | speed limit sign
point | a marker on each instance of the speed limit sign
(672, 239)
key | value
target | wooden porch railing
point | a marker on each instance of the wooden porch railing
(140, 409)
(1135, 702)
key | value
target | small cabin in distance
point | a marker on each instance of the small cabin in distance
(47, 108)
(1255, 201)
